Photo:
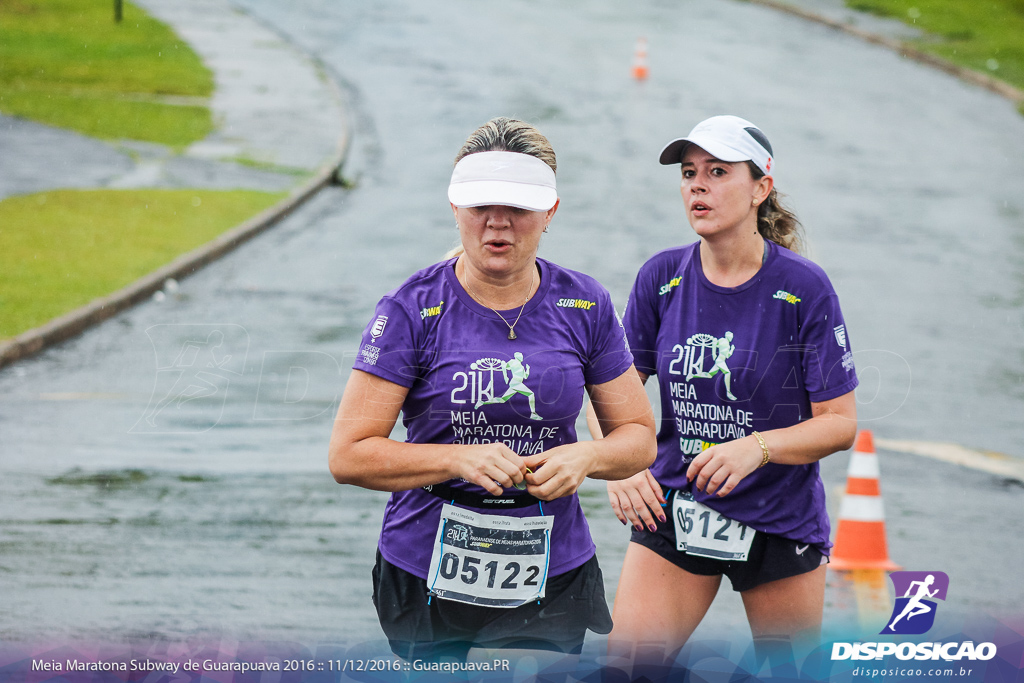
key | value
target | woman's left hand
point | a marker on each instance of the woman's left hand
(720, 468)
(559, 471)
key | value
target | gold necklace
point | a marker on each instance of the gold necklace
(512, 327)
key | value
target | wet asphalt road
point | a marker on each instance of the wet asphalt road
(121, 516)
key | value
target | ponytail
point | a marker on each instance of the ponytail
(775, 221)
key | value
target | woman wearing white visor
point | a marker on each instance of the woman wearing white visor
(487, 355)
(756, 378)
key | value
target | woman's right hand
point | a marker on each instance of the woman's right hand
(637, 500)
(490, 465)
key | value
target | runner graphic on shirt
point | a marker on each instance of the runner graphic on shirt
(914, 606)
(519, 372)
(721, 350)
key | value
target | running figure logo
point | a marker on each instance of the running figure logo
(519, 372)
(721, 351)
(195, 365)
(914, 613)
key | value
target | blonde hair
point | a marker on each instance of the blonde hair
(776, 222)
(503, 134)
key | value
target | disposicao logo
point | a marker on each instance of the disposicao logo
(914, 614)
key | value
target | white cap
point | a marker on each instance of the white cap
(728, 138)
(505, 178)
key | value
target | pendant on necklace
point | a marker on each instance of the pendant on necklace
(511, 334)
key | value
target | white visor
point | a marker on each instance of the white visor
(504, 178)
(728, 138)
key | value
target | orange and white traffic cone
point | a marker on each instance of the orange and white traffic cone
(860, 538)
(640, 69)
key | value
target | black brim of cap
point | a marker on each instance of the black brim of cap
(673, 152)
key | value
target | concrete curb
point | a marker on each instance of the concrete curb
(992, 84)
(77, 321)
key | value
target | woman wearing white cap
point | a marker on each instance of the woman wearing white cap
(487, 356)
(756, 378)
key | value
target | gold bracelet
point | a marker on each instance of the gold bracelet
(764, 449)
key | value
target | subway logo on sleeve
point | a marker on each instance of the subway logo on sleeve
(666, 288)
(576, 303)
(431, 311)
(787, 297)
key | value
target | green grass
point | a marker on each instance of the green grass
(984, 35)
(268, 166)
(61, 249)
(68, 64)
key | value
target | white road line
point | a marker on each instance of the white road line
(986, 461)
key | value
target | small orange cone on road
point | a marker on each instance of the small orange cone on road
(860, 538)
(640, 69)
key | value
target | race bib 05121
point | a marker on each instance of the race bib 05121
(703, 532)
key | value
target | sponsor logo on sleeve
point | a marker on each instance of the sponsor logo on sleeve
(576, 303)
(431, 311)
(840, 333)
(370, 354)
(848, 361)
(666, 288)
(378, 327)
(787, 297)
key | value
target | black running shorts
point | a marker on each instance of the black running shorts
(771, 557)
(574, 602)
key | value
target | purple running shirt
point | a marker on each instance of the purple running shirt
(731, 361)
(468, 383)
